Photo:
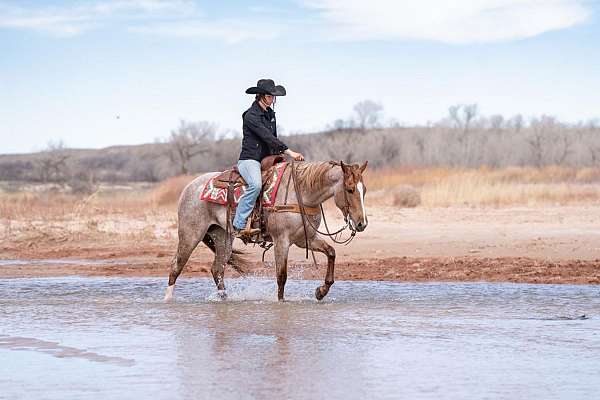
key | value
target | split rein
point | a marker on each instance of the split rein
(302, 210)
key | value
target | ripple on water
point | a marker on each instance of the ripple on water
(368, 339)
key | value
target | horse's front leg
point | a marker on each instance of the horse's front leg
(282, 248)
(319, 244)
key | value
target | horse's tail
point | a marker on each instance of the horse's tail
(237, 262)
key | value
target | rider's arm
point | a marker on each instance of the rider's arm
(255, 126)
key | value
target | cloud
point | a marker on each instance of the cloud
(56, 22)
(457, 22)
(180, 7)
(73, 20)
(229, 30)
(176, 18)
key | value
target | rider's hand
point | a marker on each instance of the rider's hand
(294, 155)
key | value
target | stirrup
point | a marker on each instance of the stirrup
(245, 233)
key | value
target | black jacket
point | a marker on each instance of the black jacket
(260, 134)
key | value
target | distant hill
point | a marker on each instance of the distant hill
(146, 162)
(545, 142)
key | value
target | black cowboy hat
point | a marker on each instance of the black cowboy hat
(266, 86)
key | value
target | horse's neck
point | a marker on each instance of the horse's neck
(326, 192)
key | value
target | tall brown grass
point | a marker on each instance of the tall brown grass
(402, 187)
(442, 187)
(169, 190)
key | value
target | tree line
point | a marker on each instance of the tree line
(464, 138)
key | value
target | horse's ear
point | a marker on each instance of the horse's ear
(344, 168)
(363, 167)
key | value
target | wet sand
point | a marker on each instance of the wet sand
(531, 245)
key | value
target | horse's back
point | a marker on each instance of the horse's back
(190, 195)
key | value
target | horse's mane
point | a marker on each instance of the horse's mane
(313, 175)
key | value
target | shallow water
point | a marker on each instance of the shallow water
(114, 338)
(58, 261)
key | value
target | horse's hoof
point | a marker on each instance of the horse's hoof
(222, 294)
(318, 294)
(169, 294)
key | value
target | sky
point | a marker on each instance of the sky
(109, 72)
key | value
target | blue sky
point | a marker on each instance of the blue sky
(69, 68)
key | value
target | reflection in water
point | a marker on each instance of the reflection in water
(53, 348)
(367, 340)
(60, 261)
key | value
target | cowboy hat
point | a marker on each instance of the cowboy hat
(266, 86)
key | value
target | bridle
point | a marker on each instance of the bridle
(334, 236)
(345, 210)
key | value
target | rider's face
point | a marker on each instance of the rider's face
(268, 99)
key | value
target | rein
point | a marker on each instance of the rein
(305, 210)
(346, 210)
(301, 204)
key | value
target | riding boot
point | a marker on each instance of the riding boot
(247, 232)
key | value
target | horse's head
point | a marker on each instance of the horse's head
(350, 196)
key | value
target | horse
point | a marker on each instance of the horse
(316, 182)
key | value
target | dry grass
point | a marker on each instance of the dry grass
(418, 177)
(406, 196)
(393, 177)
(439, 187)
(107, 210)
(168, 191)
(59, 217)
(474, 191)
(61, 205)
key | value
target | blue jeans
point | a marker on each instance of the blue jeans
(250, 171)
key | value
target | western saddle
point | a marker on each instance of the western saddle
(232, 175)
(231, 179)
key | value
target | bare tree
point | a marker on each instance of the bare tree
(189, 140)
(496, 122)
(463, 115)
(538, 136)
(565, 143)
(470, 112)
(420, 144)
(593, 140)
(343, 124)
(461, 118)
(390, 149)
(516, 123)
(52, 163)
(368, 114)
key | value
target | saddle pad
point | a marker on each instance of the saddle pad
(215, 195)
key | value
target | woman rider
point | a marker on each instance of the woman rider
(260, 140)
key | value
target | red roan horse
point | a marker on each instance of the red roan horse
(317, 181)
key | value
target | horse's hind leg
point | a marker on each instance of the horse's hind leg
(188, 240)
(219, 237)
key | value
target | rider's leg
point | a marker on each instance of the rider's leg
(250, 171)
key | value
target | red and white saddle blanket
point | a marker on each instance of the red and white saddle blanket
(219, 196)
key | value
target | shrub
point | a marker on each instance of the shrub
(406, 196)
(169, 190)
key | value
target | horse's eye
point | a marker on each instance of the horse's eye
(350, 190)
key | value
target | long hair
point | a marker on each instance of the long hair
(258, 96)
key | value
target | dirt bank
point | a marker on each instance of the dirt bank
(536, 245)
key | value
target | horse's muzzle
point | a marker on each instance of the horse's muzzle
(361, 227)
